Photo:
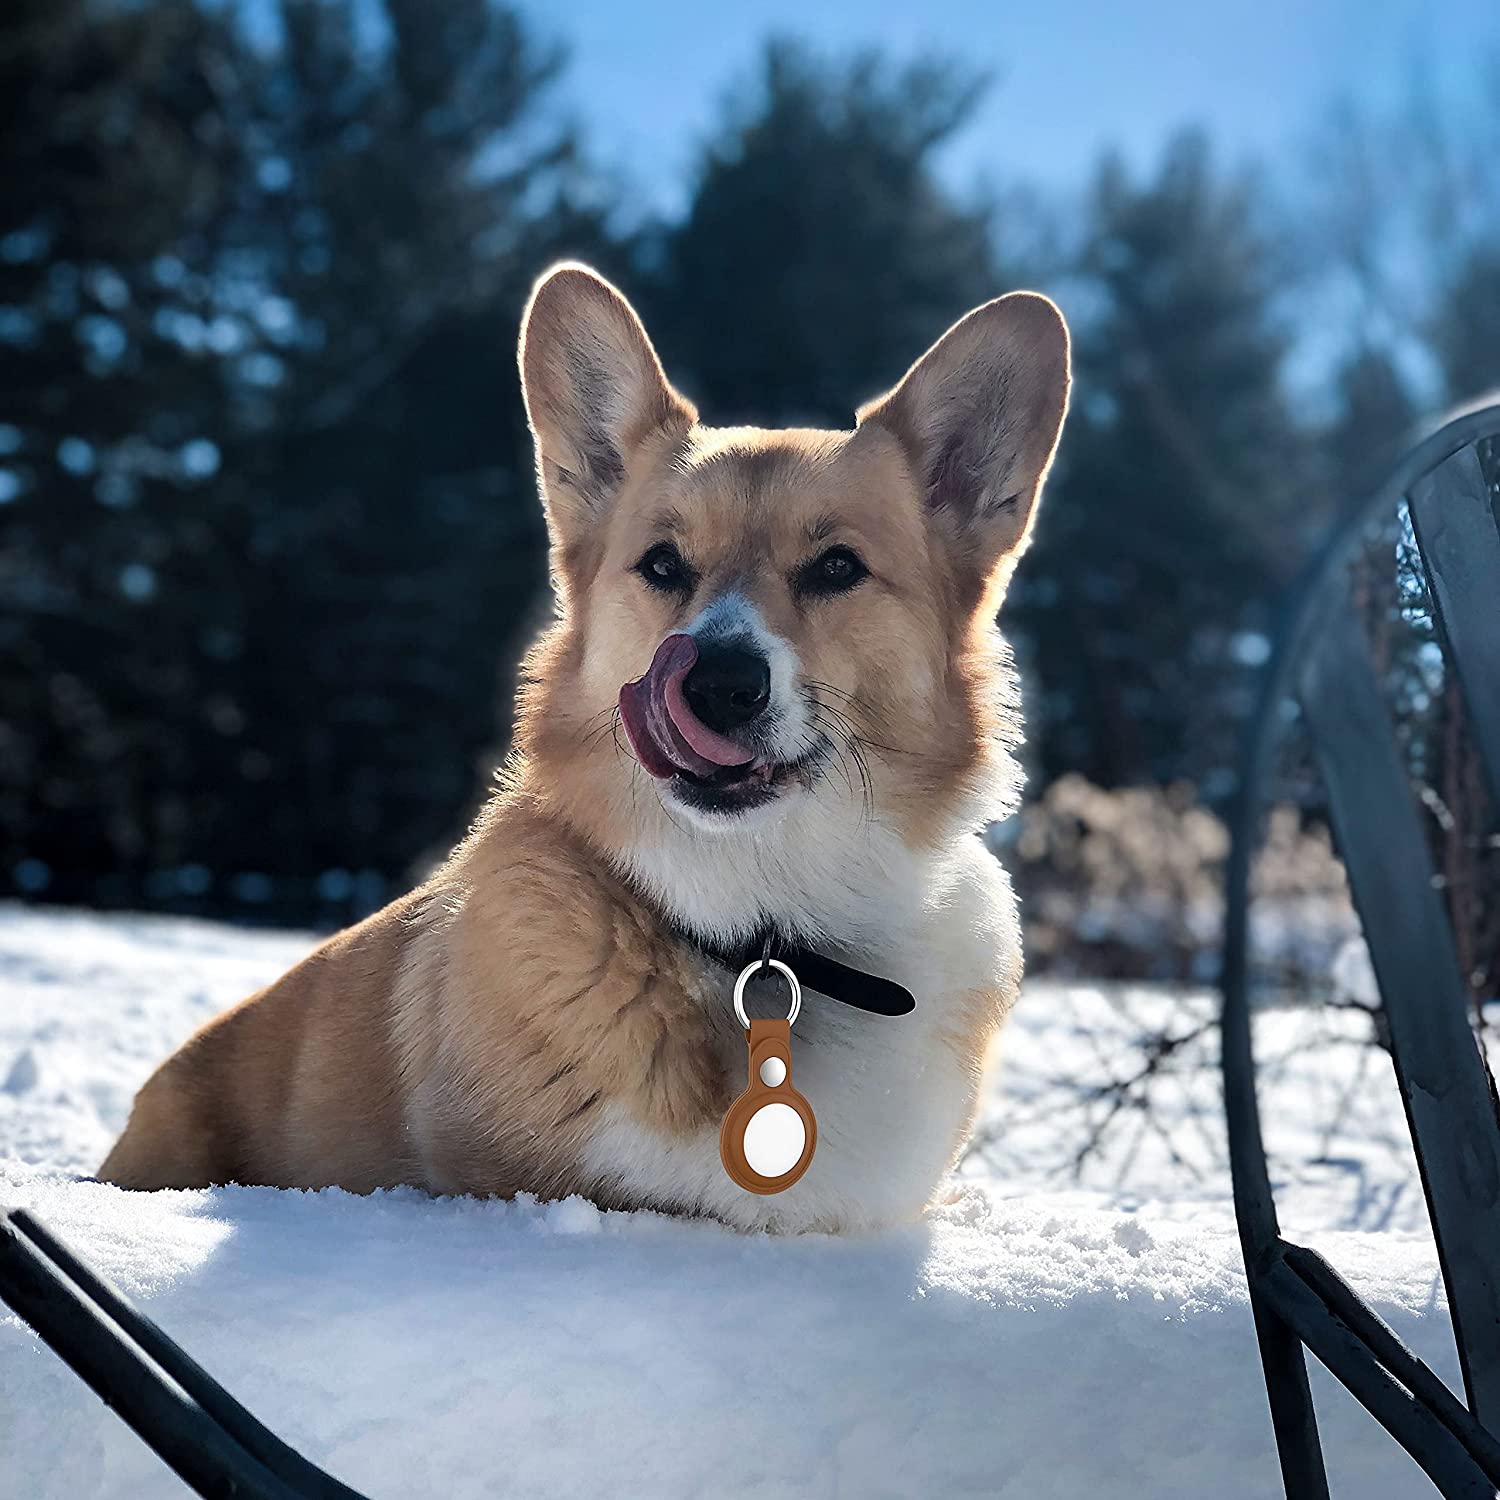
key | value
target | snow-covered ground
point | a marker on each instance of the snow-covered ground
(1072, 1322)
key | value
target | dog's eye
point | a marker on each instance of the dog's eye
(663, 568)
(834, 571)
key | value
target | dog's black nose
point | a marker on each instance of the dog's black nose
(728, 686)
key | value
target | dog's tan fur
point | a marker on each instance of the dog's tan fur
(478, 1035)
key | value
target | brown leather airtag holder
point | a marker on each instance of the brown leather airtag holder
(768, 1137)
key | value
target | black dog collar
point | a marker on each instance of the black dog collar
(839, 981)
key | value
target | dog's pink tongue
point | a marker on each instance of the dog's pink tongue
(665, 733)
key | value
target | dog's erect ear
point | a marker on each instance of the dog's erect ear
(594, 390)
(979, 416)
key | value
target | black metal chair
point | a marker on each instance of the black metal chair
(1298, 1299)
(192, 1423)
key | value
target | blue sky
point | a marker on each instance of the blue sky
(1071, 76)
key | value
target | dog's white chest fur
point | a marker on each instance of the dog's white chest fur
(893, 1096)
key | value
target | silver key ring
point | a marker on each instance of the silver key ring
(755, 967)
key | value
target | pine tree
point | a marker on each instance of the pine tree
(119, 178)
(820, 254)
(271, 531)
(407, 195)
(1467, 332)
(1179, 503)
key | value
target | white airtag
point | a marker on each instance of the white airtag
(774, 1140)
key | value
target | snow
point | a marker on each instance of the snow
(1071, 1321)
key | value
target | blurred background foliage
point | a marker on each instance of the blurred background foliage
(269, 544)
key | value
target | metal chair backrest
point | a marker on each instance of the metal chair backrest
(1323, 661)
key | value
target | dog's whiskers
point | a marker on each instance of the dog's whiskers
(613, 726)
(845, 741)
(610, 726)
(839, 753)
(614, 734)
(815, 687)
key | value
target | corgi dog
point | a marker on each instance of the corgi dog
(772, 700)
